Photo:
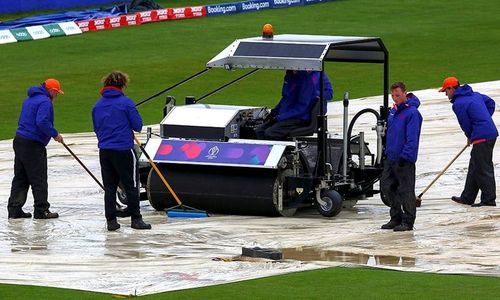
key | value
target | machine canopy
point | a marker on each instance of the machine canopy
(299, 52)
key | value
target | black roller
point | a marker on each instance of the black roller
(216, 189)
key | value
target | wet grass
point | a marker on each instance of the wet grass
(332, 283)
(427, 42)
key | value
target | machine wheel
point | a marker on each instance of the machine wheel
(121, 196)
(385, 199)
(330, 203)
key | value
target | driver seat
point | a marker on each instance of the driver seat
(310, 128)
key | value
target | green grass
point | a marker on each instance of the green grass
(427, 41)
(332, 283)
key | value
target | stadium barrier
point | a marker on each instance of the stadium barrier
(165, 14)
(38, 32)
(15, 6)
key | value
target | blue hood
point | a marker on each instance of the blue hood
(111, 92)
(474, 111)
(464, 90)
(412, 100)
(403, 130)
(37, 90)
(114, 117)
(36, 121)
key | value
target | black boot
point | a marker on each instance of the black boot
(493, 203)
(46, 215)
(459, 200)
(113, 225)
(19, 214)
(390, 225)
(139, 224)
(403, 227)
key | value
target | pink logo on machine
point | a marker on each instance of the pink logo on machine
(213, 152)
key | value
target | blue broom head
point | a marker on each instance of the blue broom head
(186, 214)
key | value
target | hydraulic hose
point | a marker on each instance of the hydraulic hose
(351, 125)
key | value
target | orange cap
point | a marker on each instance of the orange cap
(449, 82)
(53, 84)
(267, 31)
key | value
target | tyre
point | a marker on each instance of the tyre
(121, 196)
(330, 203)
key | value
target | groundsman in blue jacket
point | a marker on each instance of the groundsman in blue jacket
(474, 113)
(34, 131)
(115, 117)
(402, 140)
(300, 92)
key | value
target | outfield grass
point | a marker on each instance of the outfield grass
(332, 283)
(426, 40)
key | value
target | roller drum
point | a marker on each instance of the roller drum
(217, 189)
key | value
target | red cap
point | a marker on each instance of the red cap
(53, 84)
(449, 82)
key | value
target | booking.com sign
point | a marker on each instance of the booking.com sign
(255, 5)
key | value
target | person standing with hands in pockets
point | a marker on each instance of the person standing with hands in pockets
(402, 139)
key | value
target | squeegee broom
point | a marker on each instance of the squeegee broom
(81, 164)
(419, 197)
(119, 208)
(180, 210)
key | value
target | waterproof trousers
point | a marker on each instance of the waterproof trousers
(398, 185)
(278, 130)
(30, 169)
(481, 174)
(119, 166)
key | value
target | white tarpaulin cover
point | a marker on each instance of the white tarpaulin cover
(75, 251)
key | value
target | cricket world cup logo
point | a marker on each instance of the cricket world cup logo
(213, 152)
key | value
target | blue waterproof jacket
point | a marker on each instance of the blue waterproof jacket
(474, 111)
(403, 130)
(327, 86)
(36, 121)
(114, 116)
(299, 94)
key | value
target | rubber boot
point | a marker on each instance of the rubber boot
(139, 224)
(113, 225)
(46, 215)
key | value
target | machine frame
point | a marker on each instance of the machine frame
(325, 186)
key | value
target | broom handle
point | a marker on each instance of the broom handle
(80, 162)
(444, 170)
(157, 171)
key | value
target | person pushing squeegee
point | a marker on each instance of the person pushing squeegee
(180, 210)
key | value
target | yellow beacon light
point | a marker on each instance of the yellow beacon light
(267, 31)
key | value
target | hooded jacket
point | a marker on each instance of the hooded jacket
(403, 130)
(474, 111)
(36, 121)
(114, 117)
(299, 94)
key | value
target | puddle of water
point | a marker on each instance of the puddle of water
(26, 248)
(313, 254)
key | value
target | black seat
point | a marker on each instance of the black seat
(310, 128)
